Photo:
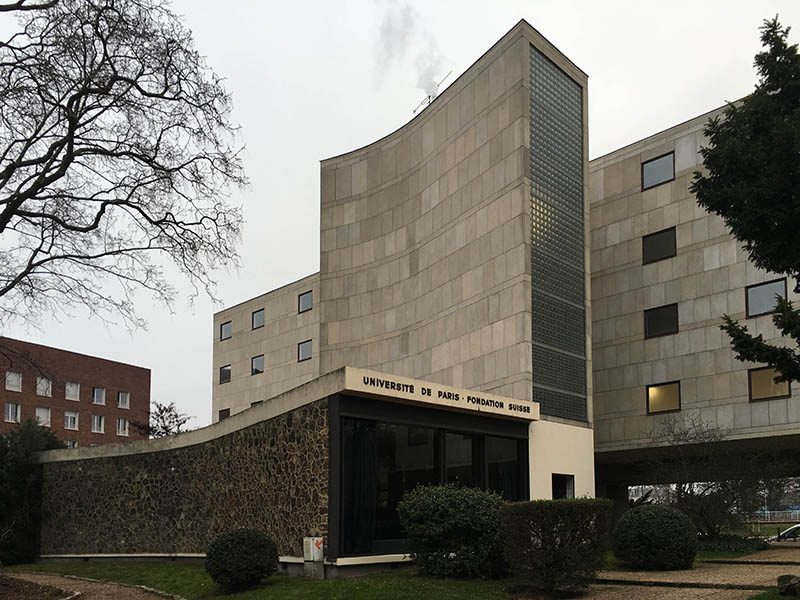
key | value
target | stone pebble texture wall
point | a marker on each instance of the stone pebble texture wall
(271, 476)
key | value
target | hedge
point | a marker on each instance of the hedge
(556, 545)
(453, 531)
(655, 537)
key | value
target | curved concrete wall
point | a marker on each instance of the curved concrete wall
(425, 236)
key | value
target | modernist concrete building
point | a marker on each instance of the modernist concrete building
(444, 339)
(664, 271)
(84, 400)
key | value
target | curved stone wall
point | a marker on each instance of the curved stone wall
(425, 268)
(272, 475)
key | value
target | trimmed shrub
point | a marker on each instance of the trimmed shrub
(453, 531)
(240, 558)
(655, 537)
(556, 545)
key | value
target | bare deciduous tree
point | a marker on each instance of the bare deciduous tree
(115, 146)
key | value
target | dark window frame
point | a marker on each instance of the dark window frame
(650, 235)
(230, 374)
(298, 351)
(221, 325)
(253, 316)
(750, 387)
(252, 370)
(223, 414)
(747, 289)
(677, 321)
(649, 160)
(300, 309)
(663, 412)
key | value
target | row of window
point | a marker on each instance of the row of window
(257, 362)
(761, 385)
(72, 390)
(760, 299)
(12, 414)
(304, 303)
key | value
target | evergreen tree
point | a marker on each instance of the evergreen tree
(753, 183)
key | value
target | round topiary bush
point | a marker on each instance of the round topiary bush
(655, 537)
(241, 558)
(453, 531)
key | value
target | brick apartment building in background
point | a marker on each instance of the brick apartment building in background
(84, 400)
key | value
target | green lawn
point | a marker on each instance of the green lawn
(193, 583)
(768, 595)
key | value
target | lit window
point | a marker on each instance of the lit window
(658, 170)
(661, 321)
(43, 416)
(658, 246)
(98, 423)
(304, 350)
(13, 381)
(73, 391)
(71, 443)
(71, 419)
(122, 427)
(225, 330)
(304, 302)
(258, 318)
(761, 299)
(124, 400)
(12, 412)
(44, 387)
(664, 397)
(98, 395)
(224, 414)
(225, 374)
(257, 364)
(763, 387)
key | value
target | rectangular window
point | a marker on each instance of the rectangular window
(762, 386)
(98, 424)
(225, 374)
(664, 397)
(258, 318)
(12, 412)
(71, 419)
(73, 391)
(256, 403)
(123, 400)
(13, 381)
(257, 364)
(304, 350)
(661, 321)
(71, 443)
(760, 298)
(43, 416)
(225, 330)
(44, 387)
(122, 427)
(658, 246)
(98, 395)
(304, 302)
(563, 486)
(224, 414)
(658, 170)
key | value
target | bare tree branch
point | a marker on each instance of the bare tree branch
(115, 146)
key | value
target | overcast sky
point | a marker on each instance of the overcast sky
(312, 80)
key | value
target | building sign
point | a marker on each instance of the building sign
(372, 383)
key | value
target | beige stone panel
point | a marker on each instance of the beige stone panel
(562, 449)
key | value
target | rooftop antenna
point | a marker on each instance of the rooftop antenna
(431, 97)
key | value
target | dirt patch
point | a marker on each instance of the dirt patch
(91, 589)
(17, 589)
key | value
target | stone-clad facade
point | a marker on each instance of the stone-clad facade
(272, 475)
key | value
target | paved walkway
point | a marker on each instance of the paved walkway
(92, 590)
(751, 573)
